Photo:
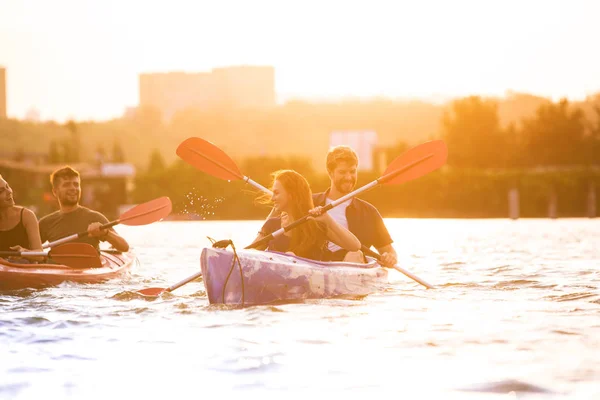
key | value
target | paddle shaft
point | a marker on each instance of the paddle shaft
(257, 185)
(183, 282)
(23, 253)
(368, 186)
(79, 235)
(141, 214)
(232, 172)
(67, 258)
(377, 256)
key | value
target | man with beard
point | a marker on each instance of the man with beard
(358, 216)
(72, 217)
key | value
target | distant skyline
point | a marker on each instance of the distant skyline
(81, 59)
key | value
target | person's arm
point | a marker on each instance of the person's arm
(383, 241)
(335, 232)
(270, 226)
(43, 230)
(30, 223)
(109, 236)
(117, 241)
(389, 258)
(260, 235)
(33, 230)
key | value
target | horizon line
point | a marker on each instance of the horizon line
(283, 100)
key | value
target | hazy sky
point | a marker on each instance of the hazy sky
(80, 58)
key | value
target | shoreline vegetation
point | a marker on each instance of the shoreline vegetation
(523, 151)
(449, 193)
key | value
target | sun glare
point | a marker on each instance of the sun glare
(320, 50)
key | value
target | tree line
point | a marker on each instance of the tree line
(490, 152)
(559, 134)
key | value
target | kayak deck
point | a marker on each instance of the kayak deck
(276, 277)
(19, 276)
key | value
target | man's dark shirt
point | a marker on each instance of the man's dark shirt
(364, 221)
(59, 225)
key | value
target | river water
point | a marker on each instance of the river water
(516, 314)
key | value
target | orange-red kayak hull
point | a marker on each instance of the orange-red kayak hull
(19, 276)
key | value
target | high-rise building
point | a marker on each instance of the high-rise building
(175, 91)
(2, 92)
(234, 87)
(245, 86)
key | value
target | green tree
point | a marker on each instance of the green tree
(556, 136)
(67, 151)
(54, 156)
(118, 156)
(74, 142)
(19, 155)
(471, 129)
(514, 155)
(592, 139)
(394, 151)
(157, 163)
(148, 121)
(100, 155)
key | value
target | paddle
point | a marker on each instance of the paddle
(377, 256)
(207, 157)
(73, 255)
(414, 163)
(142, 214)
(157, 291)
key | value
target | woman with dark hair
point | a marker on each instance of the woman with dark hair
(292, 198)
(19, 230)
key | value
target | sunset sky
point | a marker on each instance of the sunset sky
(80, 58)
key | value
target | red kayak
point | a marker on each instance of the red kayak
(19, 276)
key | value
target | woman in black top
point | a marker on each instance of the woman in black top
(292, 198)
(19, 230)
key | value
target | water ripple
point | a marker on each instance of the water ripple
(571, 296)
(512, 283)
(563, 332)
(512, 297)
(507, 386)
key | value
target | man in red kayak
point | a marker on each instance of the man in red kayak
(358, 216)
(73, 218)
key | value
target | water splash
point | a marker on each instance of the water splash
(198, 207)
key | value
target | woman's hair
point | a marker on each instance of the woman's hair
(311, 234)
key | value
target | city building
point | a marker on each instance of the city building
(228, 87)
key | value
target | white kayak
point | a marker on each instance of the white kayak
(263, 277)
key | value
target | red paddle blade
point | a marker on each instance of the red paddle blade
(154, 291)
(76, 255)
(207, 157)
(147, 213)
(424, 158)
